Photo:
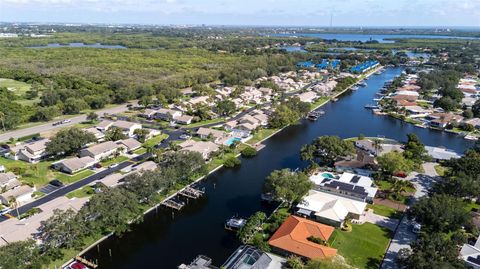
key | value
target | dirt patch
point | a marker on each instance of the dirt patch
(391, 204)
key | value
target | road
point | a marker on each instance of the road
(46, 127)
(403, 235)
(76, 185)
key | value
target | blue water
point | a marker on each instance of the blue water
(368, 37)
(293, 49)
(80, 45)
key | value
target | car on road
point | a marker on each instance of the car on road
(416, 228)
(66, 121)
(56, 183)
(4, 211)
(113, 165)
(185, 136)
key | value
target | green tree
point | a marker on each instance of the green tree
(393, 162)
(46, 113)
(231, 162)
(114, 134)
(327, 149)
(253, 222)
(249, 152)
(21, 255)
(332, 263)
(141, 134)
(282, 116)
(74, 105)
(62, 230)
(145, 101)
(226, 108)
(69, 141)
(287, 185)
(415, 149)
(92, 116)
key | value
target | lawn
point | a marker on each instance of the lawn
(201, 123)
(140, 151)
(150, 143)
(261, 135)
(364, 246)
(472, 205)
(80, 193)
(37, 174)
(441, 170)
(118, 159)
(320, 101)
(217, 161)
(385, 211)
(17, 87)
(67, 179)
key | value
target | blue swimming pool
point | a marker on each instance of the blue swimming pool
(231, 140)
(327, 175)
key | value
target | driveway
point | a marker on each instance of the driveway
(403, 235)
(381, 221)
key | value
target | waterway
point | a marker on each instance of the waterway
(164, 240)
(368, 37)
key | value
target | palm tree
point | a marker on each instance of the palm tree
(400, 186)
(12, 202)
(377, 145)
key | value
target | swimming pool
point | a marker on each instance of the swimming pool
(231, 140)
(327, 175)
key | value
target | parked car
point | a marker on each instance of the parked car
(185, 136)
(56, 183)
(113, 165)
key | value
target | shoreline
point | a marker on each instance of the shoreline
(366, 76)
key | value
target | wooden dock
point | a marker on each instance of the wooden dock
(177, 205)
(192, 193)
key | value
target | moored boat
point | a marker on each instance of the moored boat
(235, 223)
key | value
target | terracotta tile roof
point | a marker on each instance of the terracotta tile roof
(292, 237)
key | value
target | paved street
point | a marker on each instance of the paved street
(49, 127)
(403, 235)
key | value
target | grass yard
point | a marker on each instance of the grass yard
(140, 151)
(150, 143)
(364, 246)
(17, 87)
(37, 174)
(441, 170)
(80, 193)
(471, 205)
(260, 135)
(217, 161)
(118, 159)
(385, 211)
(201, 123)
(320, 101)
(67, 179)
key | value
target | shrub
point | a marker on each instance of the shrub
(249, 152)
(231, 162)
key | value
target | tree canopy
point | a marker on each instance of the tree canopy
(69, 141)
(287, 185)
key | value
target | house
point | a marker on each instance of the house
(101, 151)
(307, 97)
(145, 166)
(347, 185)
(441, 154)
(329, 208)
(199, 100)
(22, 194)
(97, 133)
(368, 146)
(475, 122)
(471, 254)
(8, 181)
(167, 114)
(441, 120)
(184, 119)
(149, 113)
(13, 229)
(129, 144)
(32, 152)
(111, 181)
(202, 147)
(294, 237)
(74, 164)
(128, 128)
(205, 133)
(249, 257)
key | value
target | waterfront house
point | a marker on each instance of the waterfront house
(145, 166)
(441, 120)
(347, 185)
(329, 208)
(307, 97)
(249, 257)
(295, 235)
(74, 165)
(471, 254)
(206, 133)
(14, 230)
(441, 154)
(22, 195)
(475, 122)
(102, 151)
(205, 148)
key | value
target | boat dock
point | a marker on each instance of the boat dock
(191, 192)
(171, 203)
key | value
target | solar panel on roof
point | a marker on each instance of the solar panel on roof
(355, 179)
(474, 260)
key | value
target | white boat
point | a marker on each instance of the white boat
(235, 224)
(471, 137)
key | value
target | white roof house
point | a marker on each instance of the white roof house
(97, 133)
(74, 164)
(442, 153)
(129, 144)
(100, 151)
(307, 97)
(330, 209)
(8, 181)
(471, 254)
(22, 194)
(202, 147)
(31, 152)
(349, 185)
(127, 127)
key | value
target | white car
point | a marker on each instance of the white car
(113, 165)
(416, 228)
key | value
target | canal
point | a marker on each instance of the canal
(164, 240)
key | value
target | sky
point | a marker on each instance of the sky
(247, 12)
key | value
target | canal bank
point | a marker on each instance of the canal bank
(163, 241)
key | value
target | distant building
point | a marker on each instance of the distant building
(471, 254)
